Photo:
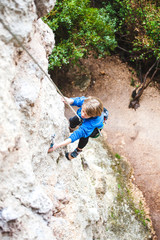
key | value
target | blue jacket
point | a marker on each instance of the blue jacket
(88, 125)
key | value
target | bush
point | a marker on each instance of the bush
(80, 28)
(139, 28)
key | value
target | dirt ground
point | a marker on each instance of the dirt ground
(132, 134)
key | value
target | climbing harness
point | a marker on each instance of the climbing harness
(98, 133)
(34, 60)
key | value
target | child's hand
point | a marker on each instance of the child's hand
(55, 146)
(64, 100)
(67, 100)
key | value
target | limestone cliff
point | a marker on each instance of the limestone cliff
(44, 196)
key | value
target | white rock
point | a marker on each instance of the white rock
(37, 200)
(8, 214)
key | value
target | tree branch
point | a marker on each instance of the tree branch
(134, 103)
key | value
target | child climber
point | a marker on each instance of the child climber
(91, 114)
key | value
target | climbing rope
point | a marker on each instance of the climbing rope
(35, 61)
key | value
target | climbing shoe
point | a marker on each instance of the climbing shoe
(71, 129)
(73, 154)
(67, 155)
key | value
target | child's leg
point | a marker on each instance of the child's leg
(74, 121)
(82, 142)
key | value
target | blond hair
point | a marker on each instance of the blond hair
(93, 106)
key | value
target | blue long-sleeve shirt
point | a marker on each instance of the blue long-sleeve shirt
(88, 124)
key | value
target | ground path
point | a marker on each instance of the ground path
(130, 133)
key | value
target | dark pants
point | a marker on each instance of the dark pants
(74, 122)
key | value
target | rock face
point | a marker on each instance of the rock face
(42, 196)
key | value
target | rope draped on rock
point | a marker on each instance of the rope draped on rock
(35, 61)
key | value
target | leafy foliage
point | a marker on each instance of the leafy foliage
(139, 28)
(79, 28)
(138, 31)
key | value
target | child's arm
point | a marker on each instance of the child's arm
(78, 101)
(62, 144)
